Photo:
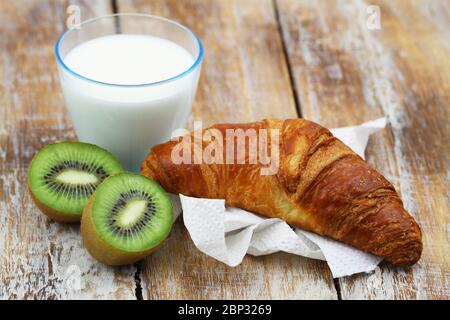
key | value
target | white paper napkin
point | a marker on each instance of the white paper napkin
(227, 233)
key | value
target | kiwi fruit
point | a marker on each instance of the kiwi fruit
(62, 176)
(126, 219)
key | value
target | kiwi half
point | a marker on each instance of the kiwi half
(126, 219)
(62, 176)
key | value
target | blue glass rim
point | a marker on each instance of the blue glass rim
(196, 63)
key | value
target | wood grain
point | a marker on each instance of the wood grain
(244, 78)
(40, 259)
(344, 74)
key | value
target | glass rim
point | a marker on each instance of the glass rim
(89, 21)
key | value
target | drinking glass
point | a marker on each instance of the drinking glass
(128, 119)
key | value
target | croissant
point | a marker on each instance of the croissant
(320, 184)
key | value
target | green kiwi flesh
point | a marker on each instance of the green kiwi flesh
(62, 176)
(131, 213)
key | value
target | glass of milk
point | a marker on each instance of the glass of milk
(129, 81)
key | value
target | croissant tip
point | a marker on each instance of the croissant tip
(409, 253)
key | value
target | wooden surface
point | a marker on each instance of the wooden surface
(40, 259)
(263, 58)
(344, 74)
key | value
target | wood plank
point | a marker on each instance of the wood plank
(244, 78)
(40, 259)
(345, 73)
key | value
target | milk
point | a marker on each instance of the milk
(128, 117)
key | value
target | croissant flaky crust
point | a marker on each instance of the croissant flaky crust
(321, 185)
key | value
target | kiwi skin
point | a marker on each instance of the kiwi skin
(100, 249)
(53, 214)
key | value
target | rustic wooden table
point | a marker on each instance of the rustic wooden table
(264, 58)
